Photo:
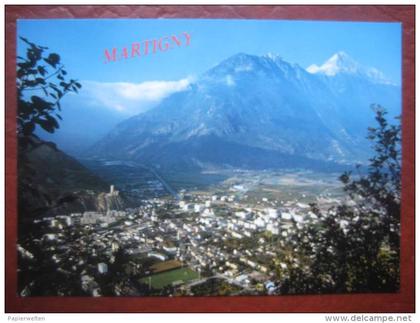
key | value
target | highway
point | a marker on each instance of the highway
(165, 184)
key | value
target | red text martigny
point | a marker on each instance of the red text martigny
(146, 47)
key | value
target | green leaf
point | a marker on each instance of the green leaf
(53, 121)
(34, 54)
(40, 80)
(28, 128)
(46, 125)
(59, 92)
(53, 59)
(40, 104)
(24, 108)
(42, 70)
(26, 41)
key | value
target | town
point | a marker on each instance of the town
(197, 243)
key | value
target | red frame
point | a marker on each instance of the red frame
(386, 303)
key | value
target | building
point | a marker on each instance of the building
(171, 250)
(114, 246)
(272, 213)
(157, 255)
(113, 191)
(102, 268)
(271, 287)
(198, 207)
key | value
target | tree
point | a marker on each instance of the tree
(41, 84)
(354, 247)
(380, 190)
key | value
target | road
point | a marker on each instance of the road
(161, 179)
(164, 183)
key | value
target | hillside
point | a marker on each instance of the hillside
(258, 112)
(51, 182)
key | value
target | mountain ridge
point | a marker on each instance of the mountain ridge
(341, 62)
(52, 182)
(259, 102)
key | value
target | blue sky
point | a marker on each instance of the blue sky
(115, 91)
(81, 43)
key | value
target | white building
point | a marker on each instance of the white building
(236, 235)
(171, 250)
(113, 191)
(102, 268)
(50, 236)
(241, 214)
(157, 255)
(208, 212)
(286, 216)
(186, 207)
(273, 229)
(272, 213)
(259, 222)
(198, 207)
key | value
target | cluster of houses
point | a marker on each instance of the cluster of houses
(197, 231)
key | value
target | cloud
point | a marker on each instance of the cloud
(129, 98)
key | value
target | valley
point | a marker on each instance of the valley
(226, 179)
(143, 182)
(219, 233)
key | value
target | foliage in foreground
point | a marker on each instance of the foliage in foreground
(354, 247)
(41, 83)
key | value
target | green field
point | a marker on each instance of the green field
(168, 277)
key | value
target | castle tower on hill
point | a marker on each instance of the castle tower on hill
(113, 191)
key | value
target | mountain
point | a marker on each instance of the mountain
(354, 88)
(51, 182)
(342, 63)
(258, 112)
(99, 106)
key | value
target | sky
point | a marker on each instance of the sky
(81, 43)
(130, 86)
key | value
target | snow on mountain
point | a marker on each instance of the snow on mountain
(341, 62)
(258, 112)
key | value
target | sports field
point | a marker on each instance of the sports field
(168, 277)
(165, 266)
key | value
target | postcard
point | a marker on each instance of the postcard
(196, 157)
